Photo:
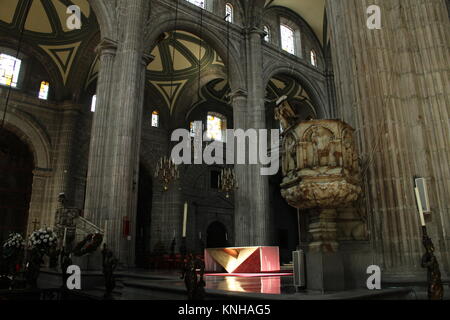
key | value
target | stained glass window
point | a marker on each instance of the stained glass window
(93, 103)
(43, 90)
(9, 70)
(195, 127)
(198, 3)
(267, 36)
(287, 39)
(313, 58)
(216, 126)
(155, 119)
(229, 13)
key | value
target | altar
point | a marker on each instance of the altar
(258, 259)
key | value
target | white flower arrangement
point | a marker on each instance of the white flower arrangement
(42, 239)
(14, 241)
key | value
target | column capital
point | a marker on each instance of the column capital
(255, 31)
(106, 46)
(238, 93)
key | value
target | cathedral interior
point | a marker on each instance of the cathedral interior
(88, 112)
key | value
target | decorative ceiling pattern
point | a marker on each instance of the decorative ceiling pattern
(312, 11)
(176, 64)
(45, 26)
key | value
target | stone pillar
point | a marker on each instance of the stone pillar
(256, 119)
(393, 87)
(243, 218)
(97, 196)
(323, 229)
(116, 169)
(39, 197)
(167, 216)
(252, 198)
(64, 153)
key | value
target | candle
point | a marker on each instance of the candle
(419, 204)
(185, 219)
(226, 236)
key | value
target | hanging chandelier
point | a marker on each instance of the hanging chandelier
(167, 172)
(227, 181)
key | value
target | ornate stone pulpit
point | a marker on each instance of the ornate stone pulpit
(320, 173)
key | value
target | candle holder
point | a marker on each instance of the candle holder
(227, 181)
(167, 172)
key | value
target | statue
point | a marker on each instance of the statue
(429, 261)
(285, 113)
(109, 265)
(195, 287)
(290, 160)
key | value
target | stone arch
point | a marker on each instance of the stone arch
(39, 144)
(31, 133)
(217, 234)
(166, 23)
(318, 95)
(104, 11)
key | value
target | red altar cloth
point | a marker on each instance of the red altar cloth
(243, 259)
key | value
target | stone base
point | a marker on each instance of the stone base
(324, 271)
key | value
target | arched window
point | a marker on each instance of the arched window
(198, 3)
(216, 126)
(229, 13)
(93, 103)
(195, 127)
(43, 90)
(9, 70)
(313, 58)
(155, 119)
(287, 39)
(267, 36)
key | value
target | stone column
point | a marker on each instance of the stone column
(258, 192)
(243, 218)
(115, 172)
(64, 152)
(167, 216)
(252, 197)
(97, 196)
(39, 199)
(393, 87)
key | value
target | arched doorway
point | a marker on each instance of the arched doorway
(143, 217)
(16, 179)
(216, 235)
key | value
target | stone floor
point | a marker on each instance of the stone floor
(167, 285)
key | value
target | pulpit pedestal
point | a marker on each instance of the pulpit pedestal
(324, 271)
